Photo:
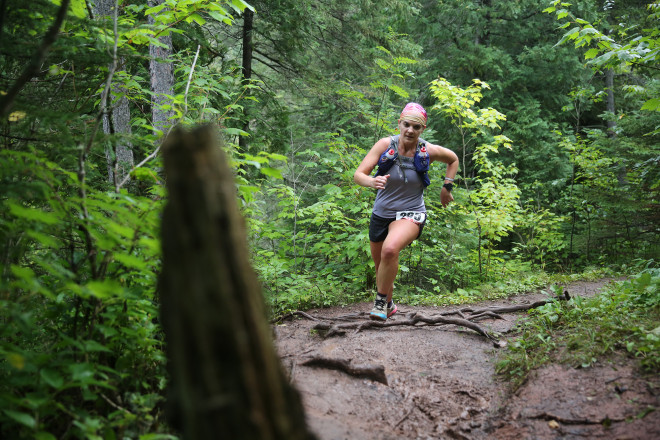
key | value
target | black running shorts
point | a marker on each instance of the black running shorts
(379, 227)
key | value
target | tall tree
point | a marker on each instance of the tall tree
(246, 66)
(117, 117)
(162, 77)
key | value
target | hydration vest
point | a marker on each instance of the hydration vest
(421, 160)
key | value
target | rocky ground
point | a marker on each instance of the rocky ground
(439, 382)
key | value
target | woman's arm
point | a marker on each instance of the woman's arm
(362, 174)
(442, 154)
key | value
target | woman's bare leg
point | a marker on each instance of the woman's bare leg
(376, 248)
(401, 234)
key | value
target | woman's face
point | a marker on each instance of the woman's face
(410, 129)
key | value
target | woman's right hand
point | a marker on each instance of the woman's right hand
(379, 182)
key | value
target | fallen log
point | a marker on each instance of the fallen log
(367, 371)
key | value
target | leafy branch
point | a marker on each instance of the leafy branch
(7, 100)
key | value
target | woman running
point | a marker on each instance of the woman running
(399, 213)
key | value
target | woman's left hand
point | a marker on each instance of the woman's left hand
(445, 197)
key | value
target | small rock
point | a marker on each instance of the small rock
(620, 390)
(553, 424)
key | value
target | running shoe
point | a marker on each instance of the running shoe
(379, 312)
(392, 310)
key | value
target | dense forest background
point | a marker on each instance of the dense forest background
(553, 109)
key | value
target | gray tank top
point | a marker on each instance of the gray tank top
(404, 190)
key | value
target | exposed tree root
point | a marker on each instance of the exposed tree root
(296, 313)
(605, 421)
(367, 371)
(314, 318)
(414, 319)
(464, 317)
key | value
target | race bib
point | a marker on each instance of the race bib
(414, 216)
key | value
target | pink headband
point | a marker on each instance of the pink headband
(415, 113)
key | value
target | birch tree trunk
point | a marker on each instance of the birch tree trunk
(226, 380)
(162, 79)
(117, 120)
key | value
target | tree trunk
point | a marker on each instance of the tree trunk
(482, 33)
(226, 378)
(119, 154)
(248, 24)
(117, 121)
(162, 79)
(609, 86)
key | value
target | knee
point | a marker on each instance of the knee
(389, 252)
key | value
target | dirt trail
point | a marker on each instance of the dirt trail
(442, 385)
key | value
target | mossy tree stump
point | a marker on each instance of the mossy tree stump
(226, 380)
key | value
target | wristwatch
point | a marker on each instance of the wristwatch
(449, 186)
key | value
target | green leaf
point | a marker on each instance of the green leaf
(271, 172)
(398, 90)
(196, 18)
(591, 31)
(130, 261)
(383, 64)
(150, 244)
(95, 346)
(23, 418)
(235, 131)
(220, 17)
(591, 53)
(43, 435)
(16, 360)
(32, 214)
(24, 273)
(144, 174)
(155, 9)
(276, 156)
(47, 241)
(404, 60)
(79, 8)
(652, 104)
(123, 231)
(570, 35)
(52, 378)
(101, 289)
(241, 5)
(603, 58)
(81, 372)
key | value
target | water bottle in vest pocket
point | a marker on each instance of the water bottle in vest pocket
(386, 161)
